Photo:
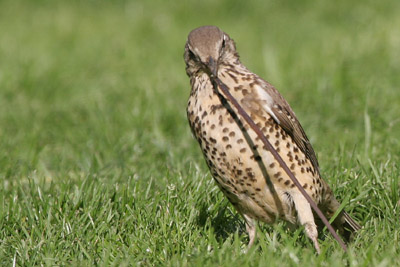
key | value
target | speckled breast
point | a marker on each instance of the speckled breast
(244, 170)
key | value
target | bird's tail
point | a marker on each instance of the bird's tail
(350, 223)
(346, 225)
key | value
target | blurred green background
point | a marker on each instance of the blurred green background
(93, 121)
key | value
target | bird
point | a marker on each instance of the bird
(241, 165)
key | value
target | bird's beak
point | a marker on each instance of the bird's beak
(212, 66)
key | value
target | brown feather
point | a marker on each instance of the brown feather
(290, 124)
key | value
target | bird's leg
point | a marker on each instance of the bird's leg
(311, 231)
(306, 218)
(251, 229)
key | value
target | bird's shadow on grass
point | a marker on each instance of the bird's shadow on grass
(223, 221)
(226, 222)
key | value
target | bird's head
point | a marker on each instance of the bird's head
(206, 48)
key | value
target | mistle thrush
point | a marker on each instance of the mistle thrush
(243, 168)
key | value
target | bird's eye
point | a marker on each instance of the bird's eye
(192, 55)
(223, 42)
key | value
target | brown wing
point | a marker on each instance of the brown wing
(290, 124)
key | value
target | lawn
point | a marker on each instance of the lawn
(97, 162)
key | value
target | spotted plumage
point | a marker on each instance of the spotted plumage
(245, 171)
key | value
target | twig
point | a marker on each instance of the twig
(219, 84)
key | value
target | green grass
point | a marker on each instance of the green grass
(97, 163)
